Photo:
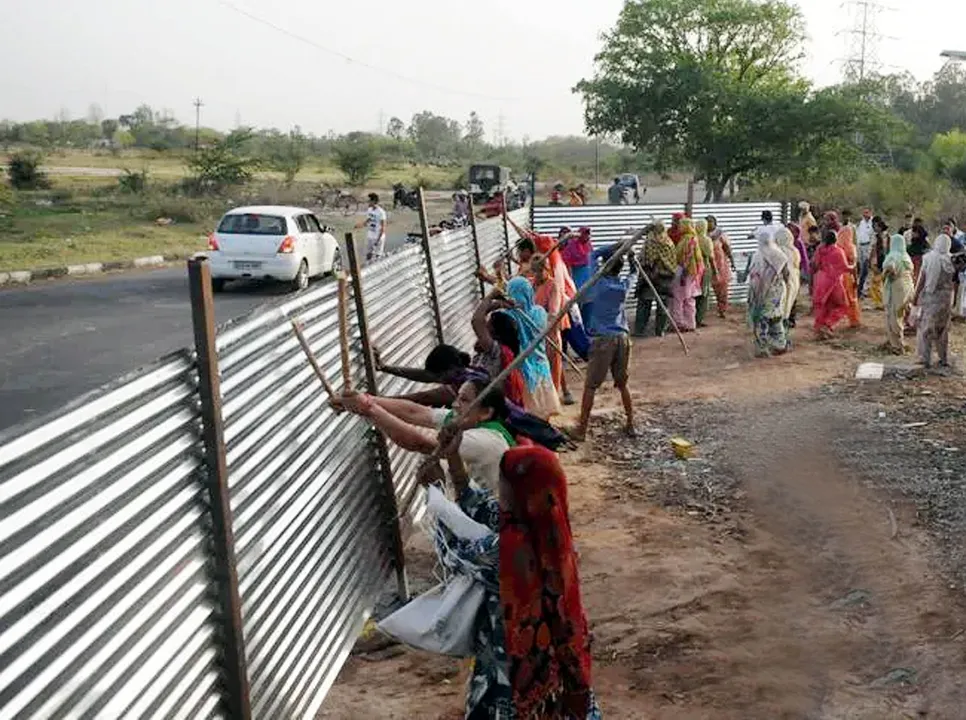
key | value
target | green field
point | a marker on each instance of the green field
(86, 218)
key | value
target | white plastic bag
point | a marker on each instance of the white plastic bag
(445, 511)
(442, 620)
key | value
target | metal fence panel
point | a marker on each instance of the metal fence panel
(312, 539)
(104, 600)
(492, 240)
(454, 263)
(521, 216)
(402, 326)
(738, 221)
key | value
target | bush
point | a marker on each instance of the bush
(179, 209)
(23, 169)
(222, 165)
(357, 159)
(132, 182)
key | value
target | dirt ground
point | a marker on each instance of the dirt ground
(808, 562)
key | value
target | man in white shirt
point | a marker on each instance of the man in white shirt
(768, 225)
(864, 236)
(375, 224)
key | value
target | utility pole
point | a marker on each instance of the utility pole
(198, 105)
(500, 133)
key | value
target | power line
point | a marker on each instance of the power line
(348, 59)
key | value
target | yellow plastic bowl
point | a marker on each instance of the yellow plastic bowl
(682, 448)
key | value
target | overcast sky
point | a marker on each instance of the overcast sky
(517, 58)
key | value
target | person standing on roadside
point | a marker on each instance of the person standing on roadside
(375, 225)
(865, 235)
(615, 193)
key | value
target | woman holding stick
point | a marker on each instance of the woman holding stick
(548, 295)
(540, 395)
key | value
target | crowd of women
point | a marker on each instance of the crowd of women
(532, 643)
(837, 264)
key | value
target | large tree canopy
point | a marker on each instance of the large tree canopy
(714, 84)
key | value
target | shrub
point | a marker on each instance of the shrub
(180, 209)
(23, 169)
(222, 165)
(133, 182)
(357, 159)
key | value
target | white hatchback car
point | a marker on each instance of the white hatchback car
(271, 243)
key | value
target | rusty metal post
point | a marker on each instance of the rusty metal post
(533, 196)
(689, 205)
(506, 231)
(476, 245)
(785, 212)
(224, 571)
(382, 448)
(433, 295)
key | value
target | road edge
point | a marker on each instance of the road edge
(25, 277)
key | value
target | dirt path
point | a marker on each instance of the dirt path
(797, 568)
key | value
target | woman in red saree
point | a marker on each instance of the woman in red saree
(829, 267)
(846, 240)
(547, 636)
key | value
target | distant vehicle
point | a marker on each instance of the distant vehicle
(487, 181)
(273, 242)
(632, 184)
(405, 197)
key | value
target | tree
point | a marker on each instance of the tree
(711, 84)
(289, 158)
(396, 129)
(948, 153)
(223, 164)
(23, 169)
(109, 127)
(436, 137)
(475, 132)
(357, 158)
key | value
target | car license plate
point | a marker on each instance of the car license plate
(247, 265)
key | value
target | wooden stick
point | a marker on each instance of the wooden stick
(297, 329)
(660, 302)
(343, 283)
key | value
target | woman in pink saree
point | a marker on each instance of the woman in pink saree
(687, 281)
(829, 268)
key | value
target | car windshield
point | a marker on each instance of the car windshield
(252, 224)
(483, 173)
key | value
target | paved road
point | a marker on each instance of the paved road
(63, 338)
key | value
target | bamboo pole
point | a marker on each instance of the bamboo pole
(343, 283)
(297, 329)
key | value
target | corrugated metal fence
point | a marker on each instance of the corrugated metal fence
(609, 223)
(108, 606)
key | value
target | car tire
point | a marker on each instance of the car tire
(301, 280)
(218, 285)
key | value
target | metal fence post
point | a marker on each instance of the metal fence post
(689, 204)
(382, 448)
(506, 231)
(785, 208)
(433, 294)
(216, 484)
(533, 196)
(476, 245)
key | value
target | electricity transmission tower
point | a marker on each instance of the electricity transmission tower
(863, 38)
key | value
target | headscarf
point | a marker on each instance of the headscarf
(937, 262)
(659, 253)
(832, 221)
(530, 320)
(783, 239)
(689, 250)
(704, 242)
(898, 260)
(799, 245)
(767, 264)
(675, 231)
(547, 636)
(579, 250)
(556, 267)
